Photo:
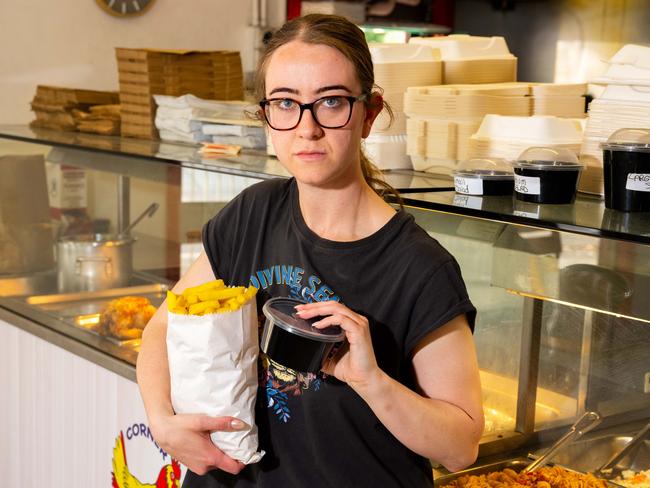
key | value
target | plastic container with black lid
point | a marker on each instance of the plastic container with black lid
(294, 342)
(547, 175)
(481, 176)
(626, 170)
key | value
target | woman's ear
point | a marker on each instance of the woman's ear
(373, 107)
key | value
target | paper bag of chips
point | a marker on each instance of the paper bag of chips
(212, 348)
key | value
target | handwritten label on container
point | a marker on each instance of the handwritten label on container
(468, 186)
(638, 182)
(528, 185)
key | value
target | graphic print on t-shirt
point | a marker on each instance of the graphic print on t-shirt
(278, 381)
(307, 288)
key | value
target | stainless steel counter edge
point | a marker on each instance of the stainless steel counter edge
(70, 344)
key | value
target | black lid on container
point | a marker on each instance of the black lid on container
(283, 314)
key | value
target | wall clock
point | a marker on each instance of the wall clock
(125, 8)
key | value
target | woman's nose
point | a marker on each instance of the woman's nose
(308, 127)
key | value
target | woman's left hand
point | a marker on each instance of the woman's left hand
(355, 362)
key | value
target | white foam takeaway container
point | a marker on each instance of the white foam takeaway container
(463, 46)
(539, 129)
(402, 53)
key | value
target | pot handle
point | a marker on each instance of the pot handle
(108, 267)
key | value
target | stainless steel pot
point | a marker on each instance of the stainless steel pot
(94, 262)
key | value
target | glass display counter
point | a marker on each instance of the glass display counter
(563, 320)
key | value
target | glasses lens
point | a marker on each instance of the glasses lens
(282, 114)
(332, 112)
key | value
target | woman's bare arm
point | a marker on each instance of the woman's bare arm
(185, 437)
(443, 420)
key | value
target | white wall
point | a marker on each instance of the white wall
(71, 42)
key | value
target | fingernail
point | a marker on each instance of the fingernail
(236, 424)
(299, 312)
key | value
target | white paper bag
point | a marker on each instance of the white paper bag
(213, 370)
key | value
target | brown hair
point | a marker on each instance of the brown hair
(343, 35)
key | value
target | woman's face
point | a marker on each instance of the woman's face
(327, 158)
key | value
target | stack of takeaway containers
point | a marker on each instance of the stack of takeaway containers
(215, 75)
(440, 121)
(451, 123)
(397, 67)
(478, 75)
(472, 59)
(625, 103)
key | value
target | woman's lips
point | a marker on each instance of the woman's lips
(310, 155)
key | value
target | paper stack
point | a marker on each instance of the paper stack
(194, 120)
(397, 67)
(143, 73)
(472, 59)
(625, 103)
(62, 108)
(507, 137)
(441, 119)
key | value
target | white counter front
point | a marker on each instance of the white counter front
(63, 417)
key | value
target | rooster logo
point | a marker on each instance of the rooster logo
(169, 476)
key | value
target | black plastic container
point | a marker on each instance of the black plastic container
(547, 175)
(484, 177)
(626, 170)
(293, 342)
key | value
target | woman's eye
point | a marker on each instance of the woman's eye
(286, 104)
(332, 102)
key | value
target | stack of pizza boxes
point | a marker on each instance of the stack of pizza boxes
(214, 75)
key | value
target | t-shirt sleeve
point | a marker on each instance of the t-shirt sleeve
(218, 237)
(442, 298)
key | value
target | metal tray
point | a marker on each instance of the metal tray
(82, 310)
(590, 453)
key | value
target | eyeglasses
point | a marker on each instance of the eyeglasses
(331, 112)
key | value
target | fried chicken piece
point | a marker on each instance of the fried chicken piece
(126, 317)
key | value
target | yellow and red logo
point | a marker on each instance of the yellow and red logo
(169, 475)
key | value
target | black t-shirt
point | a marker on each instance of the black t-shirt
(316, 431)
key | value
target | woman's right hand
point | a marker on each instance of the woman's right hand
(186, 437)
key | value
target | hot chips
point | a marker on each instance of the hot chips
(212, 297)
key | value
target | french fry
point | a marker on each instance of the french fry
(201, 307)
(171, 299)
(222, 294)
(211, 285)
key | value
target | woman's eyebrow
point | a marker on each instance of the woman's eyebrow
(333, 87)
(284, 90)
(322, 89)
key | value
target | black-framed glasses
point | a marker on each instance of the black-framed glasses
(331, 112)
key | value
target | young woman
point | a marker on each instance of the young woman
(406, 389)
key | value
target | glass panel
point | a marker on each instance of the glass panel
(587, 215)
(49, 194)
(131, 157)
(590, 358)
